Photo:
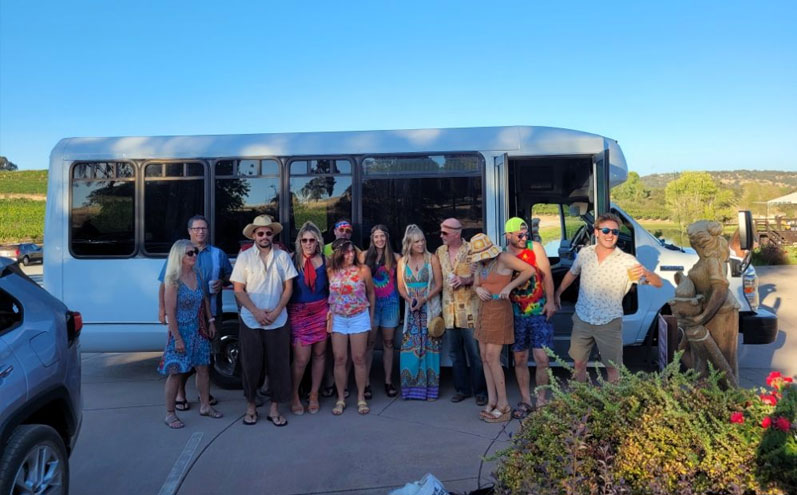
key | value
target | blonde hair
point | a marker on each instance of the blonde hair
(174, 263)
(411, 234)
(298, 254)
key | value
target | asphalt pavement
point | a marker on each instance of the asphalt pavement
(124, 447)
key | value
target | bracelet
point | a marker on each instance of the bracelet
(211, 319)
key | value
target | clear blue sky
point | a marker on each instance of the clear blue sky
(681, 85)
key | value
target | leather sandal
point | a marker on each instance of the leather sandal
(362, 407)
(297, 409)
(313, 406)
(499, 415)
(523, 409)
(172, 421)
(211, 413)
(390, 390)
(487, 411)
(182, 405)
(339, 408)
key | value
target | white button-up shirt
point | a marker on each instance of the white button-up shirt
(264, 282)
(602, 285)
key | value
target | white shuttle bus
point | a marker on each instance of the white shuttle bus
(116, 205)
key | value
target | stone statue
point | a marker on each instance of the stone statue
(715, 308)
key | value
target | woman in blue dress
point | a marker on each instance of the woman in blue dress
(420, 280)
(188, 345)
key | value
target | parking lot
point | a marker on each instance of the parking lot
(124, 448)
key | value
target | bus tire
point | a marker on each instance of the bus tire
(225, 369)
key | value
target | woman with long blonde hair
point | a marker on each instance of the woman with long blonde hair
(191, 327)
(420, 280)
(307, 313)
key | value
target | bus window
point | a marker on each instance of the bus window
(243, 189)
(397, 192)
(320, 191)
(102, 215)
(173, 193)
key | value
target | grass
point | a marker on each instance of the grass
(21, 220)
(23, 182)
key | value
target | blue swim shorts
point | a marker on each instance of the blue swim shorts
(533, 332)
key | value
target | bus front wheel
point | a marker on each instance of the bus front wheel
(226, 367)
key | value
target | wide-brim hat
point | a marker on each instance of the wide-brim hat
(482, 248)
(262, 221)
(436, 327)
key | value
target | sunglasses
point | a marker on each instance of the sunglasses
(522, 235)
(606, 230)
(308, 241)
(266, 233)
(346, 230)
(191, 252)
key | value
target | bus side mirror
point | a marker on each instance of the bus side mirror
(745, 230)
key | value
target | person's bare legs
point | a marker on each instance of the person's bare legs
(497, 372)
(541, 375)
(359, 344)
(369, 354)
(340, 349)
(492, 398)
(522, 374)
(319, 351)
(580, 374)
(301, 356)
(170, 390)
(612, 374)
(387, 353)
(203, 385)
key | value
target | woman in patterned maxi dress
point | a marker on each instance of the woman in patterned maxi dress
(186, 347)
(419, 280)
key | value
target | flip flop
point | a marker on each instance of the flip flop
(275, 420)
(173, 422)
(211, 413)
(182, 405)
(252, 422)
(523, 410)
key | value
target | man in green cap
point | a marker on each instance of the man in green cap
(533, 306)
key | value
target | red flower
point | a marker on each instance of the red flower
(783, 424)
(769, 400)
(788, 379)
(737, 417)
(772, 376)
(766, 422)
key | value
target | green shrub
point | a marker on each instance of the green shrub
(23, 182)
(770, 254)
(21, 220)
(651, 433)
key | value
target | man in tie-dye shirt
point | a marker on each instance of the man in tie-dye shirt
(533, 306)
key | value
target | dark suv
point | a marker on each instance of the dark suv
(40, 401)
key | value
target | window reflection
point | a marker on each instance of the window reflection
(320, 199)
(238, 201)
(168, 204)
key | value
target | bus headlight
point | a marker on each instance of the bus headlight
(750, 287)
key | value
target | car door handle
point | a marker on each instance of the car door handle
(6, 371)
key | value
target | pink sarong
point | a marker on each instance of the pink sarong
(308, 321)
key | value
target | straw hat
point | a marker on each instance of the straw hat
(482, 248)
(436, 327)
(261, 221)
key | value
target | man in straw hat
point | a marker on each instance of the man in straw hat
(460, 309)
(606, 275)
(533, 306)
(262, 280)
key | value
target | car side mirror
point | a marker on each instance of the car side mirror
(745, 230)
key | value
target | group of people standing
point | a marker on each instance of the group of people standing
(484, 297)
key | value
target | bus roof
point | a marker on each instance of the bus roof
(516, 140)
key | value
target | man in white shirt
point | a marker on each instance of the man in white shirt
(262, 278)
(606, 275)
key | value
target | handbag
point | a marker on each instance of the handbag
(203, 323)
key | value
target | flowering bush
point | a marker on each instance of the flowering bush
(657, 433)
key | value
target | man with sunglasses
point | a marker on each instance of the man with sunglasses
(214, 271)
(262, 278)
(533, 306)
(342, 230)
(460, 310)
(607, 274)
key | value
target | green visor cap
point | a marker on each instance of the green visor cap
(515, 224)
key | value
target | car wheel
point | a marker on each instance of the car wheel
(34, 461)
(225, 370)
(25, 260)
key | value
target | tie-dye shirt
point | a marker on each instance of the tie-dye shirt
(529, 298)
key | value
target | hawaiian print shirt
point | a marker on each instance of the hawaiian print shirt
(460, 306)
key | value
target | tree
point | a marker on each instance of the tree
(695, 196)
(632, 190)
(5, 164)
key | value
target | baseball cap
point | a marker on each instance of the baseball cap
(514, 224)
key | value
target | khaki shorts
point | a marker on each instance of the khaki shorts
(609, 338)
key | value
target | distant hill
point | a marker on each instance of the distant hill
(733, 179)
(24, 183)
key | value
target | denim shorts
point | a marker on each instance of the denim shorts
(386, 312)
(358, 323)
(533, 332)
